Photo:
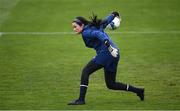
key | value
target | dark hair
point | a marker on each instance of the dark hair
(94, 21)
(81, 20)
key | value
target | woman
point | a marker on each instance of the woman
(107, 55)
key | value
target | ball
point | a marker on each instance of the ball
(115, 23)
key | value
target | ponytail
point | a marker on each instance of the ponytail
(95, 21)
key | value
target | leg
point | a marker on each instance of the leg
(110, 79)
(87, 71)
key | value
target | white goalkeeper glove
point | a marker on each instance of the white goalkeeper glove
(113, 51)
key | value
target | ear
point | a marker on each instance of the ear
(82, 26)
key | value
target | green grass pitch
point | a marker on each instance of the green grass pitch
(42, 71)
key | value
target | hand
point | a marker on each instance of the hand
(115, 13)
(113, 51)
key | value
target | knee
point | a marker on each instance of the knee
(85, 71)
(110, 85)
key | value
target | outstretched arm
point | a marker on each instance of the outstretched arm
(108, 19)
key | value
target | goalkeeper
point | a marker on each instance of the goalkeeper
(107, 55)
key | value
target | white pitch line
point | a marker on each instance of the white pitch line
(36, 33)
(71, 33)
(147, 32)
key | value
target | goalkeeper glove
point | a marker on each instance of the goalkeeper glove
(112, 50)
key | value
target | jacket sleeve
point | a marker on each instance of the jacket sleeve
(106, 21)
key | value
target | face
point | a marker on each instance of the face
(77, 28)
